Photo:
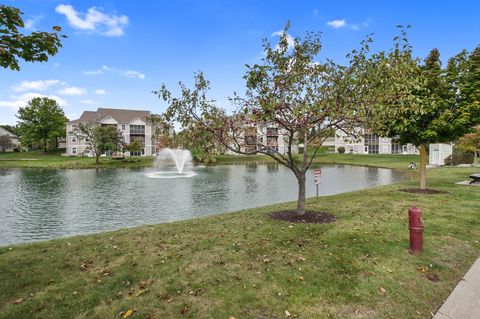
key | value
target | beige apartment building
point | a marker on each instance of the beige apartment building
(132, 124)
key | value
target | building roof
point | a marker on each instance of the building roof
(4, 131)
(120, 115)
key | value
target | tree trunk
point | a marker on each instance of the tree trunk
(423, 167)
(301, 194)
(44, 145)
(475, 158)
(97, 159)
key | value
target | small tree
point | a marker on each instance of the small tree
(100, 138)
(34, 47)
(5, 142)
(135, 146)
(41, 121)
(292, 91)
(471, 143)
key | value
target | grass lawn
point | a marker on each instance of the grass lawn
(245, 265)
(376, 160)
(54, 159)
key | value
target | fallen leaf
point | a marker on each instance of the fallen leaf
(422, 269)
(287, 314)
(127, 313)
(301, 258)
(18, 301)
(382, 290)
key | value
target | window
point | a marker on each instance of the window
(123, 127)
(74, 150)
(74, 139)
(142, 152)
(137, 129)
(371, 140)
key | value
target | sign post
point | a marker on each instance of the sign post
(317, 174)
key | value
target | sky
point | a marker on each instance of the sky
(118, 52)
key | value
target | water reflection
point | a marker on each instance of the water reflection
(46, 203)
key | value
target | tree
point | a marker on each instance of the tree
(41, 121)
(471, 143)
(5, 142)
(290, 91)
(431, 104)
(34, 47)
(135, 146)
(100, 138)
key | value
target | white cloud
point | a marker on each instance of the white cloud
(17, 101)
(89, 102)
(315, 12)
(127, 73)
(29, 23)
(72, 90)
(94, 20)
(100, 92)
(337, 23)
(40, 85)
(92, 72)
(134, 74)
(290, 40)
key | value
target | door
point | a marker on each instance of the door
(436, 157)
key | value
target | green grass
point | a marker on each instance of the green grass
(39, 159)
(245, 265)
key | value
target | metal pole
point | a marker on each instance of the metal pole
(317, 190)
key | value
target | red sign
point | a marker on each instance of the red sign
(317, 174)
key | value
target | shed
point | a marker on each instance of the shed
(438, 153)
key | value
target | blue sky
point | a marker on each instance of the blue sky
(117, 52)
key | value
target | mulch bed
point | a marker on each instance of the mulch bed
(309, 217)
(427, 191)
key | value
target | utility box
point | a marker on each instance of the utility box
(438, 153)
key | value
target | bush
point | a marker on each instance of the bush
(459, 158)
(341, 150)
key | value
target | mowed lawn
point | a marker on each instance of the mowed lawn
(246, 265)
(54, 159)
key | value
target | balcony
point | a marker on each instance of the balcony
(272, 131)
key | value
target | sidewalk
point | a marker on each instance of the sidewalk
(464, 301)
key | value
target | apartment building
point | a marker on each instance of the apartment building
(267, 136)
(132, 124)
(368, 143)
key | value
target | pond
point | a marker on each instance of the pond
(38, 204)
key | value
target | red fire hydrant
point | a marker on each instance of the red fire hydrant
(416, 226)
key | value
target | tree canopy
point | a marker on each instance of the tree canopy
(41, 121)
(34, 47)
(292, 90)
(100, 138)
(431, 104)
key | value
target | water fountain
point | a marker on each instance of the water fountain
(173, 163)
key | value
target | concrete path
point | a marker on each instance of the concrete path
(464, 301)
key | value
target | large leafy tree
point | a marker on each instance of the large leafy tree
(292, 91)
(100, 138)
(41, 121)
(431, 105)
(471, 143)
(14, 45)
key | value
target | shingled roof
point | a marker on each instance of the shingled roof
(120, 115)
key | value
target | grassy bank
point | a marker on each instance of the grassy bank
(375, 160)
(39, 159)
(245, 265)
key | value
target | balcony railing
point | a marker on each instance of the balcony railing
(272, 131)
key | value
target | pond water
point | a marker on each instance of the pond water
(37, 204)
